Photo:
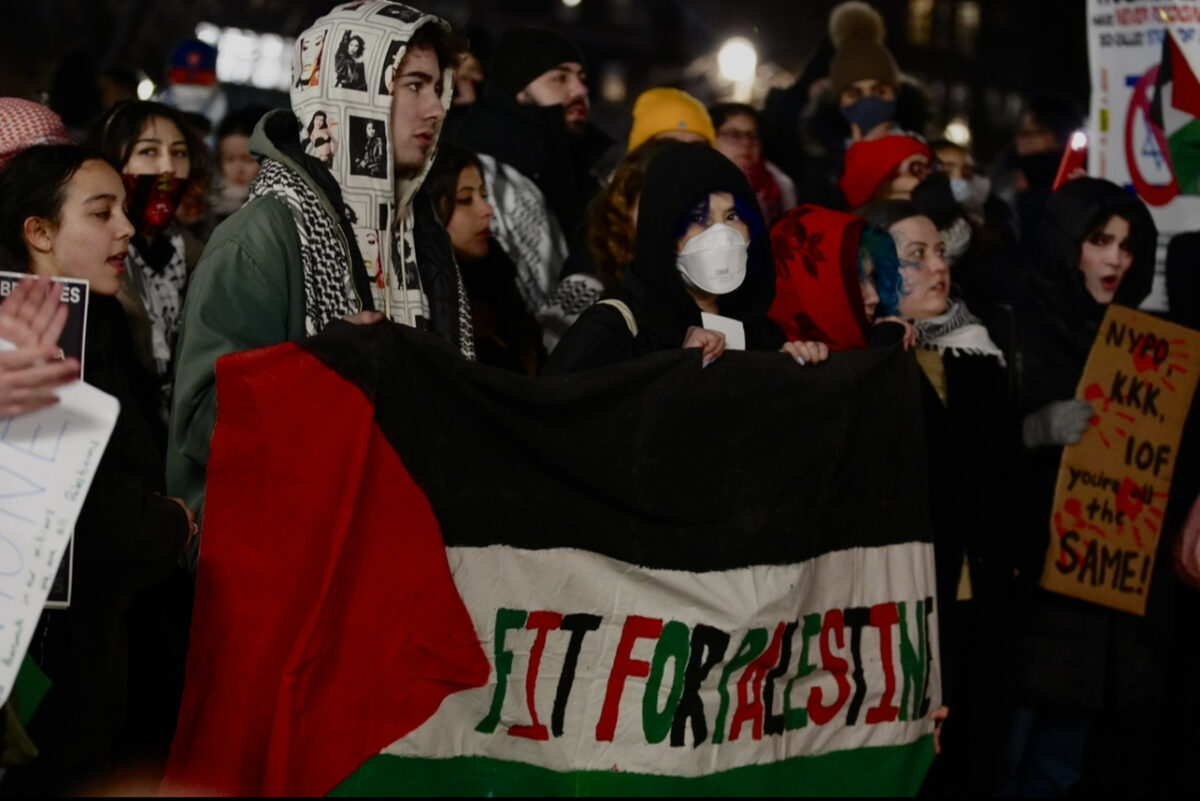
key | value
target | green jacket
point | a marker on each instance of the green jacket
(247, 292)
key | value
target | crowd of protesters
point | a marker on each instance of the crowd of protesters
(502, 220)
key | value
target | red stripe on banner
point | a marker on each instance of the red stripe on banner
(322, 632)
(1185, 95)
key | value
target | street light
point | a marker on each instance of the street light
(737, 60)
(571, 3)
(958, 132)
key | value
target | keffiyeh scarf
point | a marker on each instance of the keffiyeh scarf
(161, 288)
(328, 292)
(957, 331)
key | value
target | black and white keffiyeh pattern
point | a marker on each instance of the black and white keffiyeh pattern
(328, 291)
(956, 331)
(574, 295)
(162, 294)
(466, 328)
(527, 230)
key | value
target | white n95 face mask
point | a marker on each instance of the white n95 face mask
(971, 191)
(714, 261)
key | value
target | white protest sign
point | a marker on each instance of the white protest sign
(734, 331)
(47, 462)
(74, 295)
(1143, 131)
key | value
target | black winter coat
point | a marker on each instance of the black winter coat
(971, 456)
(506, 334)
(1068, 655)
(970, 447)
(128, 537)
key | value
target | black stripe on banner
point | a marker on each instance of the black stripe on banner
(656, 462)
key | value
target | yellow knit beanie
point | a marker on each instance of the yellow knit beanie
(663, 109)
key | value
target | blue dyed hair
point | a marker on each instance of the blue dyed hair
(881, 248)
(748, 213)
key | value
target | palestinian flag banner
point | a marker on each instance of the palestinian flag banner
(1175, 109)
(420, 575)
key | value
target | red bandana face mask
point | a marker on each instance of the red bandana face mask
(152, 200)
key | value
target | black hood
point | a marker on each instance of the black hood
(678, 179)
(1059, 319)
(1075, 210)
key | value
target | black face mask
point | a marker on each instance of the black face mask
(1040, 168)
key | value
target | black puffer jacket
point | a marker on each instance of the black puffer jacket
(1067, 654)
(676, 181)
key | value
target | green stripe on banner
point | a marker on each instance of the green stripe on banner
(890, 771)
(1184, 146)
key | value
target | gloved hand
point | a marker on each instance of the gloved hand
(1057, 423)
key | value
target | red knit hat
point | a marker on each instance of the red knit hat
(870, 162)
(24, 124)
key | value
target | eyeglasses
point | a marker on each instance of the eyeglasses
(917, 169)
(734, 135)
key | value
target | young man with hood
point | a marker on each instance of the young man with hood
(538, 148)
(288, 263)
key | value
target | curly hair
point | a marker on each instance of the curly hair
(612, 228)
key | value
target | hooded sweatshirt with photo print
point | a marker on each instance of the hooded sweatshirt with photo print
(320, 237)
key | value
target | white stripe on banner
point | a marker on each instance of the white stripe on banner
(861, 665)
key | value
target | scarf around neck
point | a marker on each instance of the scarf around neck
(345, 124)
(159, 274)
(328, 290)
(957, 331)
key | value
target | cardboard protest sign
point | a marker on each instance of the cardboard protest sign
(1143, 131)
(1113, 485)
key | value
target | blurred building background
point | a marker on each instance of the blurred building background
(978, 58)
